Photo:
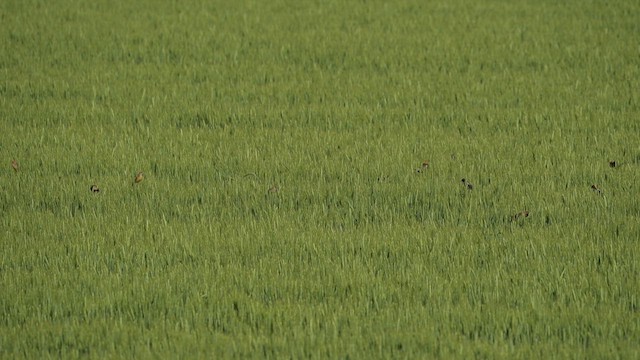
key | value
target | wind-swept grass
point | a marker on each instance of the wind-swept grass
(281, 213)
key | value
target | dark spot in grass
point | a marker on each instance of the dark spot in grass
(235, 307)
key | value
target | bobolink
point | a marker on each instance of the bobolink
(14, 165)
(423, 167)
(521, 214)
(139, 177)
(94, 188)
(467, 184)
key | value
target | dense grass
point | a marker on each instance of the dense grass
(334, 104)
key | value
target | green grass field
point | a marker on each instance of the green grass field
(281, 214)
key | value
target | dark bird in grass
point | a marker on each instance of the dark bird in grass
(520, 215)
(139, 177)
(595, 188)
(94, 189)
(467, 184)
(613, 163)
(14, 165)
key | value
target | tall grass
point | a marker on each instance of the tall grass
(281, 213)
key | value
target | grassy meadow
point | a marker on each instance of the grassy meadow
(282, 213)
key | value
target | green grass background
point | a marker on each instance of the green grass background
(336, 103)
